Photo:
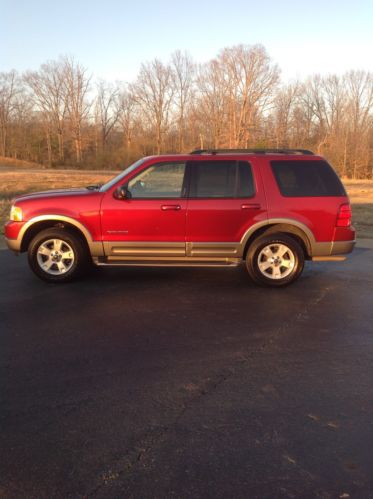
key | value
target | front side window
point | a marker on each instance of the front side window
(162, 180)
(221, 179)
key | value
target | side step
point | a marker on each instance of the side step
(333, 258)
(171, 262)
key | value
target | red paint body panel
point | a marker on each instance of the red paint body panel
(221, 220)
(344, 234)
(142, 220)
(80, 204)
(318, 213)
(11, 229)
(226, 220)
(196, 220)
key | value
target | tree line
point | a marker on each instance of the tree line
(59, 115)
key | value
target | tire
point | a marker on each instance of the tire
(57, 255)
(275, 260)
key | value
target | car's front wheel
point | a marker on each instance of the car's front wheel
(275, 260)
(56, 255)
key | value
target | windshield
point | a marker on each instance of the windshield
(125, 172)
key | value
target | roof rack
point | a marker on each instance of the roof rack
(252, 151)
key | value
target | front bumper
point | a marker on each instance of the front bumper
(13, 244)
(12, 235)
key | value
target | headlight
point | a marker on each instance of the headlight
(16, 214)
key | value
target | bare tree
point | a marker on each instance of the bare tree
(337, 114)
(210, 106)
(8, 93)
(183, 72)
(153, 91)
(360, 103)
(233, 100)
(107, 112)
(284, 104)
(77, 85)
(251, 80)
(51, 99)
(126, 108)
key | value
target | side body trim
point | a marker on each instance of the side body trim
(201, 249)
(143, 249)
(213, 250)
(144, 252)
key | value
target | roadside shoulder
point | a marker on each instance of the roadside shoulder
(365, 243)
(3, 243)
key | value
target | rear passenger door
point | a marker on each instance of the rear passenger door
(225, 198)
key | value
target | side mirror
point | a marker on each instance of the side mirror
(122, 192)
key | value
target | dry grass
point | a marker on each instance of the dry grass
(361, 196)
(19, 163)
(14, 182)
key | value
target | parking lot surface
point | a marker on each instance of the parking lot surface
(190, 383)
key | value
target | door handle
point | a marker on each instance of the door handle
(250, 206)
(169, 207)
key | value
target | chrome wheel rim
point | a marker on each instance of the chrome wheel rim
(276, 261)
(55, 256)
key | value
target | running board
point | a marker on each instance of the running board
(172, 262)
(333, 258)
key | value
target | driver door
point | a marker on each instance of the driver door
(150, 222)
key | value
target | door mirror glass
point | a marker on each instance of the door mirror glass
(122, 192)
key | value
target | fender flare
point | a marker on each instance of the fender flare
(307, 235)
(95, 247)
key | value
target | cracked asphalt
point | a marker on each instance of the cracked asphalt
(187, 383)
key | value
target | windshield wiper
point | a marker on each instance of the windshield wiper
(94, 187)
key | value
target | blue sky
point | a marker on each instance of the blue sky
(113, 37)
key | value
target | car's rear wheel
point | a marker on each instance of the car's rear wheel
(56, 255)
(275, 260)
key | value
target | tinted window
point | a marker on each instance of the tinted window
(164, 180)
(221, 179)
(307, 178)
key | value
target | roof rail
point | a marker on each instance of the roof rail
(252, 151)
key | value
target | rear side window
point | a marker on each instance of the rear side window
(307, 178)
(221, 179)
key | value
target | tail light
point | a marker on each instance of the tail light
(344, 216)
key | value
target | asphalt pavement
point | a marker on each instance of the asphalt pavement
(187, 383)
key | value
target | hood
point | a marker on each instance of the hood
(80, 191)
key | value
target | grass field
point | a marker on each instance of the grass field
(14, 182)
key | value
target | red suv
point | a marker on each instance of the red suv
(272, 209)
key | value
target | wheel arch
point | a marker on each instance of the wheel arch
(37, 224)
(301, 233)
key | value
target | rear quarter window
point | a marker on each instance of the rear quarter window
(306, 178)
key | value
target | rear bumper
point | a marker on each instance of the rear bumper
(333, 250)
(342, 247)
